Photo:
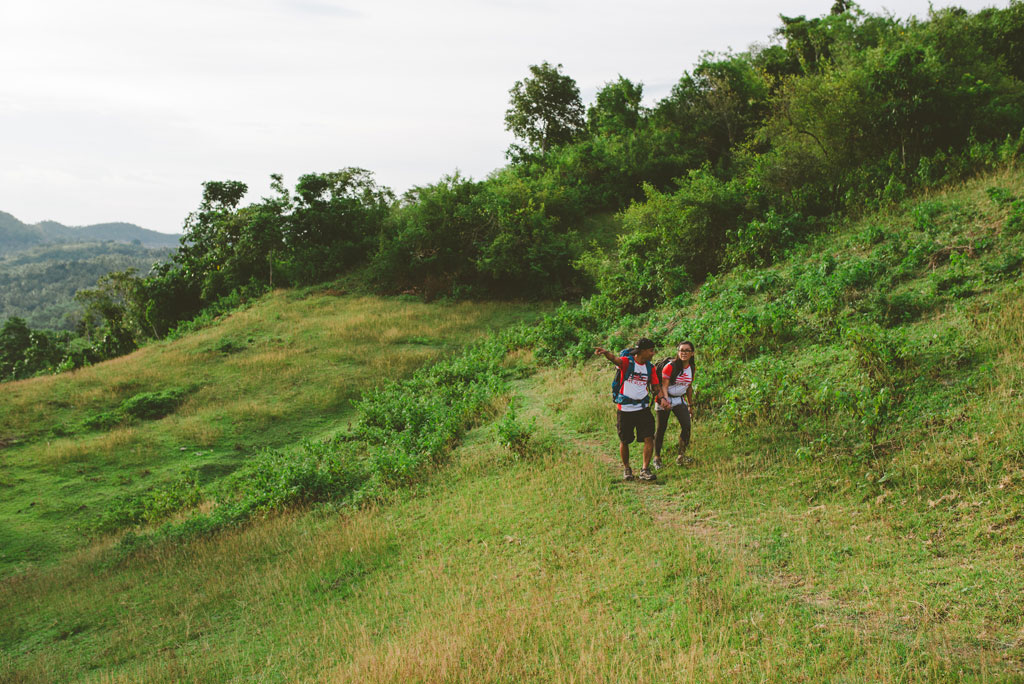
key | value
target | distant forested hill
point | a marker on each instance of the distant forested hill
(43, 265)
(39, 284)
(16, 236)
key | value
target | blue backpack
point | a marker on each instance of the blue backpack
(622, 377)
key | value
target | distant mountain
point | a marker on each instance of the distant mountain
(43, 265)
(16, 236)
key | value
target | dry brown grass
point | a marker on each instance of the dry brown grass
(70, 450)
(198, 432)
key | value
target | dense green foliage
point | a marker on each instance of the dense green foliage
(39, 284)
(750, 153)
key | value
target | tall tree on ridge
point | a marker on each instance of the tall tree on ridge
(545, 110)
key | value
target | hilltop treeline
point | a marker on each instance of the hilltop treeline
(750, 153)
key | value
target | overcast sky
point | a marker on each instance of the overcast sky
(118, 110)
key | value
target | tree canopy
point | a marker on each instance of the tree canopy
(545, 109)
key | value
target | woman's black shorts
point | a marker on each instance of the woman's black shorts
(629, 422)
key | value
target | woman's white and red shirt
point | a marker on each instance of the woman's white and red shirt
(677, 390)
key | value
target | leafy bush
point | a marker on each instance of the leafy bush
(926, 213)
(515, 435)
(896, 308)
(673, 240)
(574, 331)
(142, 406)
(152, 405)
(761, 241)
(1003, 265)
(1015, 221)
(1001, 197)
(148, 506)
(872, 235)
(103, 420)
(330, 469)
(859, 273)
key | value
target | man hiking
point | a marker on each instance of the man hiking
(631, 392)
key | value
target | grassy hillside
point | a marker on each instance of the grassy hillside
(854, 514)
(283, 370)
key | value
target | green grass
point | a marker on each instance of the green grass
(854, 514)
(278, 372)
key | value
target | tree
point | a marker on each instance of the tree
(111, 317)
(15, 339)
(433, 237)
(616, 108)
(336, 223)
(210, 234)
(842, 6)
(545, 110)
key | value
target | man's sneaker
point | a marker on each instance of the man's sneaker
(646, 474)
(684, 460)
(627, 473)
(656, 463)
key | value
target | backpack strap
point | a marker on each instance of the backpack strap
(675, 372)
(625, 375)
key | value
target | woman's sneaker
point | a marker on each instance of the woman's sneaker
(646, 474)
(627, 473)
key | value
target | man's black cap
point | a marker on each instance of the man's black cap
(644, 343)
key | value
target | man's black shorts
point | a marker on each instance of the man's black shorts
(641, 422)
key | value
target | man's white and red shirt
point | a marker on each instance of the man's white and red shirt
(635, 387)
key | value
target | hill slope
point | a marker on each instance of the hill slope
(283, 370)
(854, 514)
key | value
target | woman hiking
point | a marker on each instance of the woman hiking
(677, 399)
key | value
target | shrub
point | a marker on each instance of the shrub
(1003, 265)
(513, 434)
(103, 420)
(152, 405)
(323, 470)
(148, 506)
(1001, 197)
(926, 213)
(892, 309)
(1015, 221)
(761, 241)
(670, 240)
(872, 235)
